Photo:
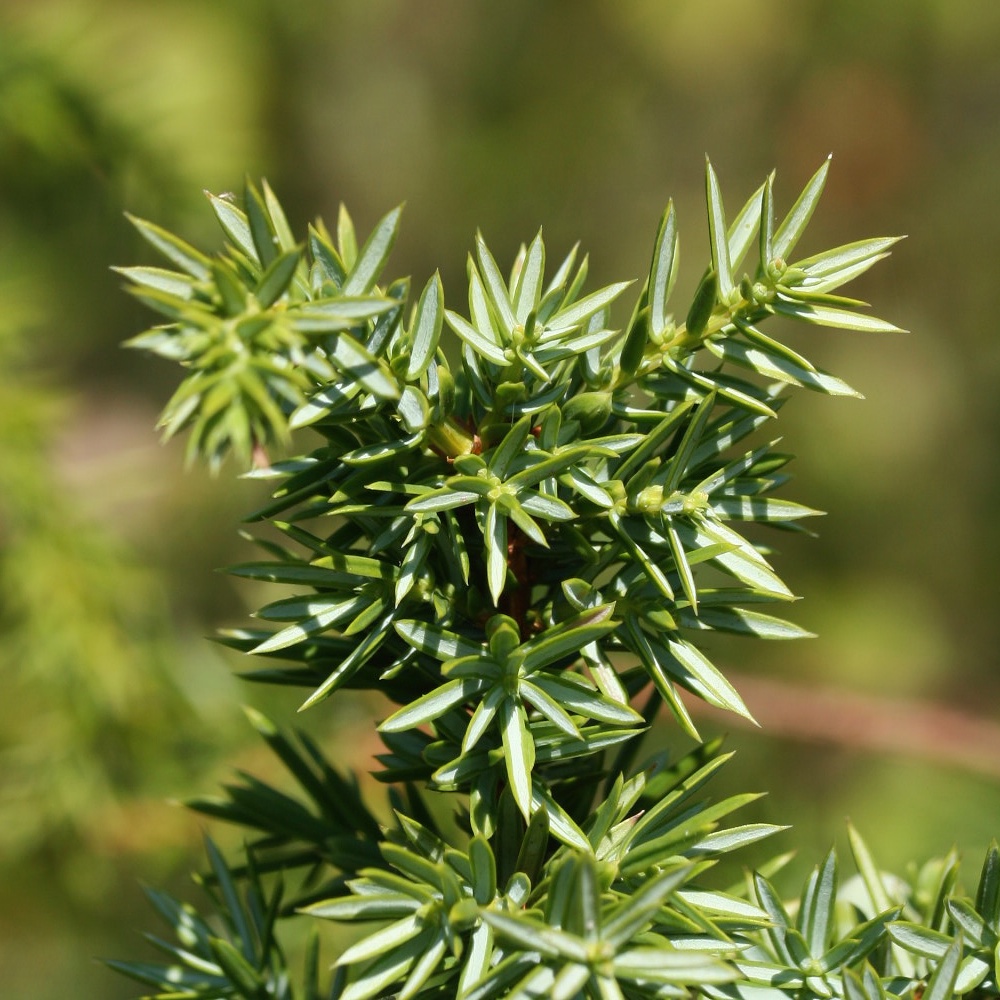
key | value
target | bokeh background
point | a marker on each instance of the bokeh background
(580, 115)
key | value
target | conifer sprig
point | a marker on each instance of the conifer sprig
(521, 520)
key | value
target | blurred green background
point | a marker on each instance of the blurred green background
(580, 115)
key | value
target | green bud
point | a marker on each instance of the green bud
(510, 392)
(607, 872)
(424, 586)
(615, 488)
(399, 364)
(649, 500)
(590, 409)
(464, 915)
(503, 634)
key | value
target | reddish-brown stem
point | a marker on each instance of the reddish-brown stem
(259, 457)
(516, 601)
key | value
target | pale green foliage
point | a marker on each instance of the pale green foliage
(520, 538)
(87, 654)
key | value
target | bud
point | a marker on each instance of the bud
(590, 409)
(649, 500)
(776, 269)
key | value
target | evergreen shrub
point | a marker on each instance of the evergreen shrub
(519, 521)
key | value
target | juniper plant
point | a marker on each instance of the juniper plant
(519, 532)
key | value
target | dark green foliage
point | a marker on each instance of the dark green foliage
(518, 535)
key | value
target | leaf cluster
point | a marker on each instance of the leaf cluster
(520, 522)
